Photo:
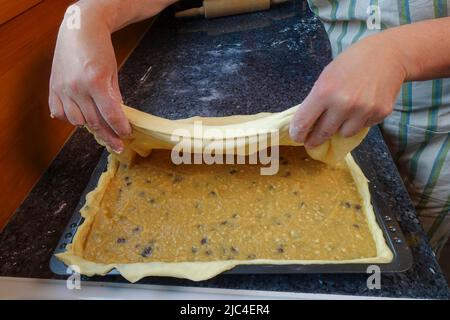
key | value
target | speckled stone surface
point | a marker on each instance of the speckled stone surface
(245, 64)
(235, 65)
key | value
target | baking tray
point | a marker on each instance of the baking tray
(385, 216)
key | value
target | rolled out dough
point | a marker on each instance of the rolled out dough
(151, 132)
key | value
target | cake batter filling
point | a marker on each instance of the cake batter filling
(156, 211)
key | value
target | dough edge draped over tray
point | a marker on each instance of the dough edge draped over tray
(151, 132)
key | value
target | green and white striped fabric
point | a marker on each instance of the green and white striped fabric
(418, 131)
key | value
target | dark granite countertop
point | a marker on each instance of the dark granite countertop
(265, 61)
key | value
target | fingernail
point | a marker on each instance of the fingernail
(129, 131)
(311, 145)
(128, 135)
(118, 150)
(52, 116)
(124, 134)
(293, 133)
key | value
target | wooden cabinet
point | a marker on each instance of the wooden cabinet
(12, 8)
(29, 138)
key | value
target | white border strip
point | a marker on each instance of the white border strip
(48, 289)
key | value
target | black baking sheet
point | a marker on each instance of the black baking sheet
(386, 219)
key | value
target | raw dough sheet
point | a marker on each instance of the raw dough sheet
(148, 217)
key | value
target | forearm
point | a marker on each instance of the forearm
(116, 14)
(84, 86)
(423, 48)
(359, 88)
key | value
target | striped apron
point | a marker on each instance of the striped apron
(418, 130)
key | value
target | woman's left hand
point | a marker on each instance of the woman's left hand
(356, 90)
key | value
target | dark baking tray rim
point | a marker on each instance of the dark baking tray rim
(385, 216)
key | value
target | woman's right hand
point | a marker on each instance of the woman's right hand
(84, 85)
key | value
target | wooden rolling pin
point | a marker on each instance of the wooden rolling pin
(221, 8)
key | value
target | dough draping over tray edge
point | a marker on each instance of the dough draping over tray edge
(151, 132)
(198, 271)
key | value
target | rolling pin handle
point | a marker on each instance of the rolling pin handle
(191, 12)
